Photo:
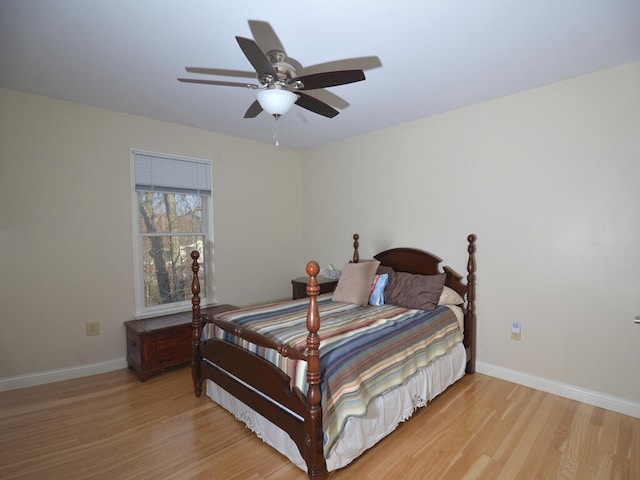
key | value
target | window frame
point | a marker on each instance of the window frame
(206, 284)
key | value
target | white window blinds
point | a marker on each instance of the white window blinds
(162, 173)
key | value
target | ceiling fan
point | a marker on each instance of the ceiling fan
(283, 81)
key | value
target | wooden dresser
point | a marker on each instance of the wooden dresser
(299, 286)
(154, 344)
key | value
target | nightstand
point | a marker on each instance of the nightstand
(299, 286)
(155, 344)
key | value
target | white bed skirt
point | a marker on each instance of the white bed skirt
(383, 415)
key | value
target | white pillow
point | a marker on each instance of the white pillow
(450, 297)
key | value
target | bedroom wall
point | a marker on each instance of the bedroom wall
(65, 227)
(548, 180)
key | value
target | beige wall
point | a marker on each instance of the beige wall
(66, 233)
(548, 179)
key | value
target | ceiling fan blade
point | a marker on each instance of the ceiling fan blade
(315, 105)
(221, 71)
(216, 82)
(329, 97)
(359, 63)
(254, 110)
(329, 79)
(256, 57)
(268, 41)
(265, 36)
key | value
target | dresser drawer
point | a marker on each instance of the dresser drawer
(134, 349)
(170, 337)
(172, 346)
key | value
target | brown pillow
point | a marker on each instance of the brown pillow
(355, 283)
(410, 290)
(382, 269)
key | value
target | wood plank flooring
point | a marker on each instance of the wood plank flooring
(111, 426)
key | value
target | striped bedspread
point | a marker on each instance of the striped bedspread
(364, 351)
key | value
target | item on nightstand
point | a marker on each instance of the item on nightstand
(331, 273)
(299, 286)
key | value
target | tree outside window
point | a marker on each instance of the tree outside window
(171, 228)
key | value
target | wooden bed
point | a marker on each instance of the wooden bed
(267, 390)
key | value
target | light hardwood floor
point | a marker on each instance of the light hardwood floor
(112, 427)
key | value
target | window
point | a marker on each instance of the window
(173, 217)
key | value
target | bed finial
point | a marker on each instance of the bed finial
(356, 255)
(196, 325)
(470, 337)
(313, 340)
(313, 444)
(195, 285)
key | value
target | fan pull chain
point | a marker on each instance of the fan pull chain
(275, 131)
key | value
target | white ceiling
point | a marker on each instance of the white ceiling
(436, 55)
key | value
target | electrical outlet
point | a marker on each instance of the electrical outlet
(93, 328)
(516, 331)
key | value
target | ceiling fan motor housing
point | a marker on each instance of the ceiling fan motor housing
(284, 70)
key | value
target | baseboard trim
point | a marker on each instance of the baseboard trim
(49, 376)
(566, 390)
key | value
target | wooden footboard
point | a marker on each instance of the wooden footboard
(260, 384)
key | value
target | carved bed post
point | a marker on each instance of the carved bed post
(313, 437)
(196, 325)
(470, 327)
(356, 255)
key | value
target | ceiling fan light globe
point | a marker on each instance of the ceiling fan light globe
(276, 102)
